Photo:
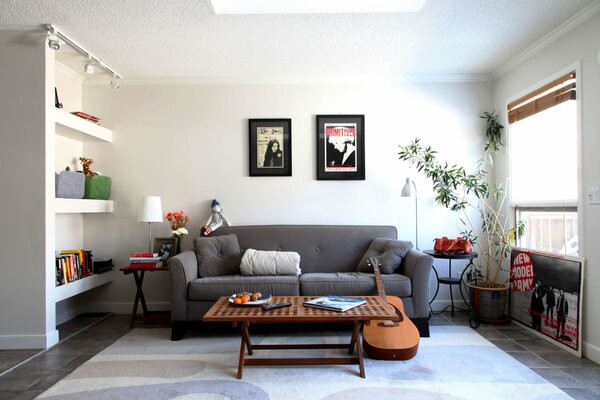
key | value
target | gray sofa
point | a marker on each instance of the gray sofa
(329, 256)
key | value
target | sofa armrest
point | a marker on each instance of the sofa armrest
(183, 269)
(417, 266)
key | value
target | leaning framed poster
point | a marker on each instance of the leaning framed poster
(340, 147)
(270, 147)
(546, 294)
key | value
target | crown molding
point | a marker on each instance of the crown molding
(583, 15)
(260, 80)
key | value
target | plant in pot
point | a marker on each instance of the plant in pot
(471, 195)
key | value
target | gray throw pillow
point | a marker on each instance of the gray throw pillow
(390, 253)
(218, 255)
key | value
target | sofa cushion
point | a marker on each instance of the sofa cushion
(390, 253)
(218, 255)
(353, 284)
(214, 287)
(257, 262)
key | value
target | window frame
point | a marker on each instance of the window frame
(557, 206)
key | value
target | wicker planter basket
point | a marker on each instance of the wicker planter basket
(489, 304)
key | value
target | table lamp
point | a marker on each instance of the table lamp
(150, 211)
(410, 190)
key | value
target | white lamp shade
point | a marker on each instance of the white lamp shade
(408, 189)
(150, 209)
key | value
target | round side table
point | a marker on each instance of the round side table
(450, 280)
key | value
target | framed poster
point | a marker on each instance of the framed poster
(340, 147)
(270, 147)
(546, 292)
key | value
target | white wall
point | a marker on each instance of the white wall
(579, 45)
(189, 144)
(26, 318)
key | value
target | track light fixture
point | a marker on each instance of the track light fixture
(89, 67)
(55, 34)
(115, 82)
(53, 39)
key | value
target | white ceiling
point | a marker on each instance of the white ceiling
(184, 39)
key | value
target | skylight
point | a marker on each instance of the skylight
(316, 6)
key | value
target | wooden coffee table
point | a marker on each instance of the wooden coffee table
(374, 309)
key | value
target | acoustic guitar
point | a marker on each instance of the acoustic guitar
(390, 340)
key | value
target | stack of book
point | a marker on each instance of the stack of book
(144, 261)
(72, 265)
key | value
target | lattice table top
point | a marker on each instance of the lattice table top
(374, 309)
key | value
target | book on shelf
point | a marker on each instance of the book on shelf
(145, 265)
(335, 303)
(134, 260)
(86, 116)
(144, 258)
(72, 265)
(143, 255)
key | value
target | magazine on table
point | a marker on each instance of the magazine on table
(335, 303)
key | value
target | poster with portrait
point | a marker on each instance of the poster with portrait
(270, 154)
(270, 147)
(546, 292)
(340, 147)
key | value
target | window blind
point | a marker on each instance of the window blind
(549, 95)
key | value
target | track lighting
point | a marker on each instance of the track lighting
(53, 40)
(53, 43)
(54, 35)
(115, 82)
(89, 67)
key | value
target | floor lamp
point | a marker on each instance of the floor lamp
(410, 190)
(150, 211)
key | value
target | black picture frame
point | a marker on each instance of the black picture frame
(264, 134)
(340, 147)
(166, 247)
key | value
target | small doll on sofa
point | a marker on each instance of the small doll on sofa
(215, 220)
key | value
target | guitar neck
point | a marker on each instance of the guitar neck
(378, 281)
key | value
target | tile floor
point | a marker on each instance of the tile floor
(24, 374)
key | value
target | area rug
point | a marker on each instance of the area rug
(454, 363)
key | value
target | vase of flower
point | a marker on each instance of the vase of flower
(178, 221)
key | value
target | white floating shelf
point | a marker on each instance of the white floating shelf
(70, 206)
(71, 289)
(79, 128)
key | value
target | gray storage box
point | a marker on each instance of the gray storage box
(70, 185)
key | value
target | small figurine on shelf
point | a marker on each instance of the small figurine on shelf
(215, 220)
(96, 186)
(87, 162)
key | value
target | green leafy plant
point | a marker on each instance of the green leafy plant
(464, 192)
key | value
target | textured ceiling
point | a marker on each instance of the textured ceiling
(184, 39)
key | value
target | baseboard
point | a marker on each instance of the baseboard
(15, 342)
(127, 307)
(591, 352)
(441, 305)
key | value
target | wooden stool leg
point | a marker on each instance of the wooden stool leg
(240, 371)
(357, 328)
(246, 336)
(352, 342)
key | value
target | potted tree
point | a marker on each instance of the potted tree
(470, 194)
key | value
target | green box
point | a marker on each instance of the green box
(97, 187)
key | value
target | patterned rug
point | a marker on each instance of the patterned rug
(454, 363)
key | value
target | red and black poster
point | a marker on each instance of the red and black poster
(546, 294)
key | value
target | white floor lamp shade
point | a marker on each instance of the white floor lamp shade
(410, 190)
(150, 211)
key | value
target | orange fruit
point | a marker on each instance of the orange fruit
(237, 300)
(243, 300)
